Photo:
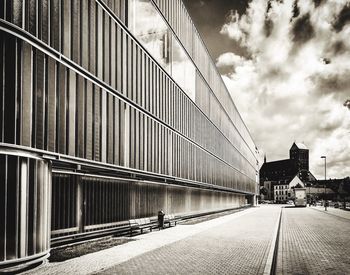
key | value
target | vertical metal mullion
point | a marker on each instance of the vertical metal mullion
(35, 201)
(145, 143)
(113, 48)
(126, 140)
(102, 211)
(66, 29)
(18, 86)
(80, 117)
(23, 209)
(106, 48)
(116, 141)
(132, 137)
(47, 207)
(134, 76)
(42, 195)
(141, 140)
(161, 95)
(121, 132)
(157, 91)
(2, 86)
(150, 148)
(119, 43)
(139, 76)
(147, 79)
(154, 144)
(99, 42)
(152, 87)
(137, 139)
(71, 117)
(110, 128)
(5, 205)
(103, 125)
(124, 62)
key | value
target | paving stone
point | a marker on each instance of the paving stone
(239, 246)
(313, 242)
(107, 258)
(334, 211)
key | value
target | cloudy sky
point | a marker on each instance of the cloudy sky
(287, 67)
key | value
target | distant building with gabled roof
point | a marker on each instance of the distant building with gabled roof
(284, 192)
(286, 169)
(280, 175)
(281, 170)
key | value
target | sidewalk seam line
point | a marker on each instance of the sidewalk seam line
(272, 256)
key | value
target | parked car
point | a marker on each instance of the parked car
(336, 205)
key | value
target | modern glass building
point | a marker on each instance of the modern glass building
(110, 110)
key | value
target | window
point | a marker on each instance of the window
(183, 70)
(151, 30)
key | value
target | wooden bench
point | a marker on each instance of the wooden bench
(171, 220)
(141, 224)
(123, 228)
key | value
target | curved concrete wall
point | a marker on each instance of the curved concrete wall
(25, 198)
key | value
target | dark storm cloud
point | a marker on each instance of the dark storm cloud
(339, 47)
(347, 103)
(209, 16)
(333, 83)
(297, 73)
(330, 126)
(268, 27)
(269, 6)
(326, 61)
(343, 18)
(303, 30)
(275, 73)
(318, 3)
(268, 23)
(296, 10)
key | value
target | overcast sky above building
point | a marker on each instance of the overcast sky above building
(287, 67)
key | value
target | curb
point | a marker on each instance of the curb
(331, 214)
(270, 267)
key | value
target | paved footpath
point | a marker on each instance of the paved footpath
(334, 211)
(313, 241)
(238, 243)
(239, 246)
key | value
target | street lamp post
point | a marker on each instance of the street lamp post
(325, 177)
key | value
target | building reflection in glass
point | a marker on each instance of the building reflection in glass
(183, 70)
(151, 30)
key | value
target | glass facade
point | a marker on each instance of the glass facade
(191, 67)
(182, 70)
(151, 30)
(124, 93)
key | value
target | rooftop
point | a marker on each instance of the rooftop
(301, 145)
